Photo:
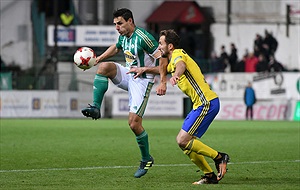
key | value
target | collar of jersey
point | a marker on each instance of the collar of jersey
(132, 33)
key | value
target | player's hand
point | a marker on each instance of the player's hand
(137, 71)
(98, 60)
(161, 89)
(174, 80)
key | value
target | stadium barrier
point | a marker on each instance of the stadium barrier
(277, 94)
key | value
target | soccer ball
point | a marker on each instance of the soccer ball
(85, 58)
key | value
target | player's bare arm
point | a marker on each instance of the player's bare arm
(140, 70)
(111, 51)
(162, 87)
(180, 68)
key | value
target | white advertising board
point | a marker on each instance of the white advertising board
(100, 36)
(262, 110)
(65, 36)
(228, 85)
(22, 104)
(266, 85)
(157, 106)
(83, 35)
(276, 100)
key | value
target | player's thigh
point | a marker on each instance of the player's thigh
(198, 121)
(121, 78)
(139, 92)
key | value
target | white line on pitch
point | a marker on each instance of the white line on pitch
(156, 165)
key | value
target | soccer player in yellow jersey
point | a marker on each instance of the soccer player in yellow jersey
(188, 77)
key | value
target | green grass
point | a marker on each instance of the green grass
(43, 154)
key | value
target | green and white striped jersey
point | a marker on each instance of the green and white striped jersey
(138, 48)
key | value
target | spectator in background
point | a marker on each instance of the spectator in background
(250, 100)
(258, 45)
(274, 65)
(2, 63)
(233, 57)
(262, 65)
(250, 63)
(246, 54)
(240, 66)
(270, 43)
(216, 64)
(266, 46)
(66, 18)
(224, 57)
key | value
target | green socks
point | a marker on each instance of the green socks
(100, 87)
(142, 140)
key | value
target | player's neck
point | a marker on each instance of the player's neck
(131, 31)
(170, 55)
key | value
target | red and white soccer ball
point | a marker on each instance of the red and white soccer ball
(84, 58)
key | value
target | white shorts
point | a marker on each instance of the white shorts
(139, 89)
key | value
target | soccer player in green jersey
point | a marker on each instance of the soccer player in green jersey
(141, 53)
(188, 77)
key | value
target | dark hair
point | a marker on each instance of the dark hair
(123, 12)
(171, 37)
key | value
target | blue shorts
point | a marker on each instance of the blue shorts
(197, 121)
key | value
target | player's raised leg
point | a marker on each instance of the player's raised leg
(105, 70)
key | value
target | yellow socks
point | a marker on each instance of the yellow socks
(200, 161)
(196, 150)
(200, 148)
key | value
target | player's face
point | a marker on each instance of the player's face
(163, 47)
(122, 26)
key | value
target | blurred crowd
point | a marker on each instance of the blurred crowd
(260, 59)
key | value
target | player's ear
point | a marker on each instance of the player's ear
(130, 20)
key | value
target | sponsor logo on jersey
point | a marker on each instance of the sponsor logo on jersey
(129, 57)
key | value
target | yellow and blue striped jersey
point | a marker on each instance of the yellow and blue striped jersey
(192, 81)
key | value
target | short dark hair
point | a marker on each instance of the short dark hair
(171, 37)
(123, 12)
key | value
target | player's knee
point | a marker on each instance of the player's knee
(183, 139)
(106, 68)
(132, 125)
(135, 125)
(181, 143)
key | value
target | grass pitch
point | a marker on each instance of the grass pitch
(42, 154)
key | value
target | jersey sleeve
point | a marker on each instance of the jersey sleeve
(178, 56)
